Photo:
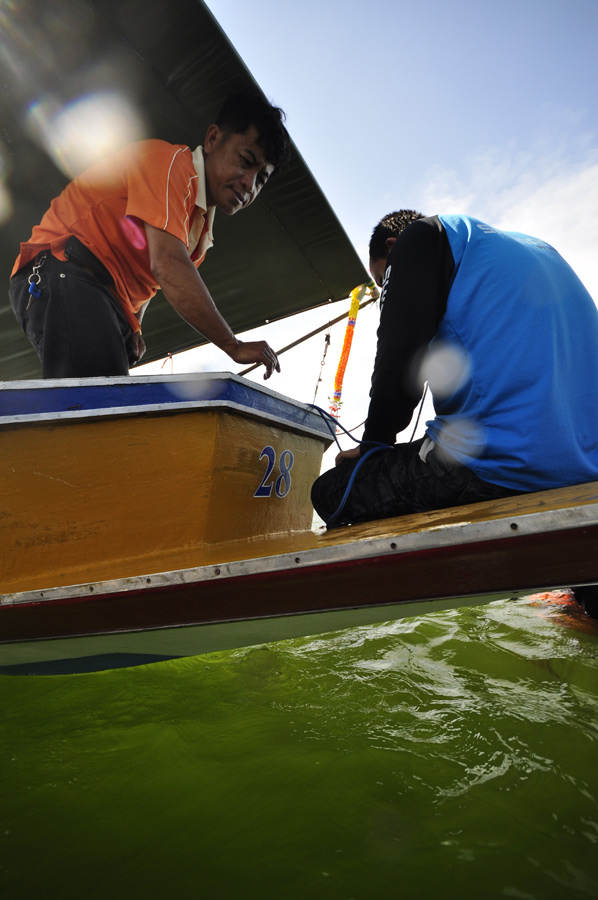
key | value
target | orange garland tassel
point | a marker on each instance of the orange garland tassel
(356, 296)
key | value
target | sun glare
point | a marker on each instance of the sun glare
(85, 130)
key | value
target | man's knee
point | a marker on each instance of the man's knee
(320, 495)
(327, 490)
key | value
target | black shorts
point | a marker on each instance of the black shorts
(396, 482)
(76, 325)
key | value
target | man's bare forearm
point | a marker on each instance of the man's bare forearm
(187, 293)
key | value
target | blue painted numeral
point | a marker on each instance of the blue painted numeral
(282, 485)
(283, 482)
(264, 489)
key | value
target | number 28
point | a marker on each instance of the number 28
(282, 485)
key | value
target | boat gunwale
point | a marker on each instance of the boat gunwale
(313, 424)
(437, 537)
(166, 409)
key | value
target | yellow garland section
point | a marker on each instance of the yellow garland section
(357, 295)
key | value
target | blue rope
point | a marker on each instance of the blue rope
(328, 419)
(332, 519)
(376, 446)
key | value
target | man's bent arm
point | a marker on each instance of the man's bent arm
(187, 293)
(414, 302)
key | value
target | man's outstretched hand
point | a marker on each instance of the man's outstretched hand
(259, 352)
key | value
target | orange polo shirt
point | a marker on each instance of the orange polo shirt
(105, 207)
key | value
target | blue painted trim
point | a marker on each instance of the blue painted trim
(135, 395)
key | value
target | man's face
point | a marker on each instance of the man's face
(236, 168)
(377, 269)
(378, 266)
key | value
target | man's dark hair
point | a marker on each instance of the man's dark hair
(242, 110)
(390, 226)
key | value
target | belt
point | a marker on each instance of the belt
(77, 253)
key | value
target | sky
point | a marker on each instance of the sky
(447, 106)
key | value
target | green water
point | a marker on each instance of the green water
(448, 756)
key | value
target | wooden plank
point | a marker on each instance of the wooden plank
(518, 505)
(521, 559)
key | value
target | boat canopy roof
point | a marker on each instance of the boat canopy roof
(287, 253)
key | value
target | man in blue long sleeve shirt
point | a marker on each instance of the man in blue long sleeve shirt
(506, 336)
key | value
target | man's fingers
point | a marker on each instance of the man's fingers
(270, 360)
(258, 352)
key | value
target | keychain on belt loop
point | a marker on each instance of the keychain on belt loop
(34, 281)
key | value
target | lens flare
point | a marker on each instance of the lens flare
(84, 131)
(197, 387)
(462, 437)
(134, 233)
(6, 207)
(445, 368)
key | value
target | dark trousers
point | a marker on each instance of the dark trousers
(396, 482)
(76, 325)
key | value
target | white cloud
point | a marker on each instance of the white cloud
(549, 196)
(563, 212)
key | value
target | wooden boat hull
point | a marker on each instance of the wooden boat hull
(509, 547)
(268, 573)
(120, 477)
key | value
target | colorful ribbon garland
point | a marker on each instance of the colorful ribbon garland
(356, 298)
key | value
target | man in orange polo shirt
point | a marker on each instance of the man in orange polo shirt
(139, 221)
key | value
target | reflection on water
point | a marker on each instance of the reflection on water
(450, 755)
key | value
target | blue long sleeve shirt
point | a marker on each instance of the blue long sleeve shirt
(507, 337)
